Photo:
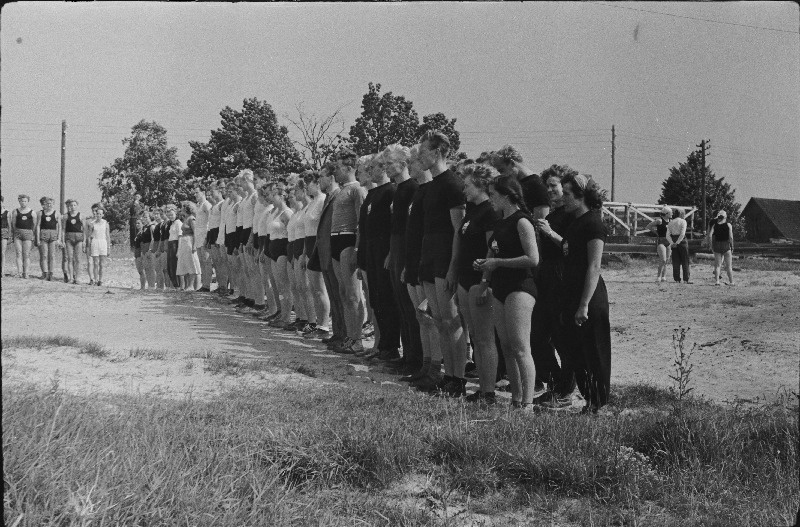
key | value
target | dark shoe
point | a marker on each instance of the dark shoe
(420, 373)
(66, 279)
(331, 339)
(432, 382)
(367, 330)
(204, 290)
(455, 388)
(481, 397)
(49, 277)
(470, 366)
(273, 316)
(387, 355)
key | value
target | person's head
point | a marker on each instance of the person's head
(279, 193)
(665, 213)
(99, 211)
(486, 158)
(261, 175)
(137, 197)
(477, 178)
(326, 177)
(172, 212)
(311, 179)
(678, 213)
(299, 191)
(506, 160)
(47, 202)
(346, 161)
(23, 199)
(364, 169)
(722, 216)
(72, 205)
(434, 147)
(139, 223)
(189, 208)
(504, 191)
(232, 190)
(579, 190)
(146, 217)
(246, 179)
(199, 194)
(395, 160)
(95, 206)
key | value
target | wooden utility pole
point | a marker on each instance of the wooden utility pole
(613, 151)
(704, 146)
(63, 159)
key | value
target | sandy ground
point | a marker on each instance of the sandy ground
(748, 337)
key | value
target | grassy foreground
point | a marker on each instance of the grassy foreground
(337, 456)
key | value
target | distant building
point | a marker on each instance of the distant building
(772, 219)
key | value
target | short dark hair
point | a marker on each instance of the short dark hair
(437, 140)
(557, 171)
(507, 155)
(310, 176)
(347, 157)
(509, 186)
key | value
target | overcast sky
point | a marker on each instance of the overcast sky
(550, 78)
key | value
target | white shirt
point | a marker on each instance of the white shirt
(223, 210)
(675, 228)
(248, 205)
(295, 226)
(265, 219)
(201, 223)
(175, 230)
(215, 216)
(231, 216)
(313, 214)
(277, 229)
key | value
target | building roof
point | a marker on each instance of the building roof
(783, 213)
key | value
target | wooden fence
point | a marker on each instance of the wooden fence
(629, 220)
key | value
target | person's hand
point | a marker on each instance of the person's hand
(403, 275)
(358, 274)
(581, 315)
(671, 245)
(386, 263)
(543, 226)
(485, 264)
(303, 261)
(483, 294)
(450, 281)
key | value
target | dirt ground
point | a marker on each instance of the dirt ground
(748, 337)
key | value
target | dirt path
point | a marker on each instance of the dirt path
(747, 336)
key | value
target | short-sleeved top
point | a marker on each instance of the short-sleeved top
(186, 228)
(48, 221)
(313, 214)
(675, 227)
(230, 216)
(215, 216)
(581, 231)
(479, 220)
(175, 230)
(720, 232)
(238, 210)
(379, 214)
(559, 220)
(401, 202)
(346, 206)
(277, 229)
(247, 206)
(534, 192)
(264, 219)
(73, 223)
(292, 231)
(415, 227)
(201, 221)
(506, 243)
(445, 192)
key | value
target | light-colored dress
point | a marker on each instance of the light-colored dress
(188, 262)
(99, 240)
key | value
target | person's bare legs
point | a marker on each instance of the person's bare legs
(319, 298)
(662, 261)
(350, 293)
(513, 323)
(301, 279)
(280, 268)
(728, 259)
(480, 325)
(717, 267)
(44, 258)
(298, 300)
(142, 275)
(448, 323)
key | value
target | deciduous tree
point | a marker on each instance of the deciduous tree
(385, 119)
(320, 137)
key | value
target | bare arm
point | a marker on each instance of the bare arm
(540, 212)
(595, 255)
(527, 237)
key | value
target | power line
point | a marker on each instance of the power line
(695, 18)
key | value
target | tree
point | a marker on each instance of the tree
(684, 186)
(148, 167)
(385, 119)
(250, 138)
(439, 122)
(319, 139)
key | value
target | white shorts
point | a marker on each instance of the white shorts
(99, 247)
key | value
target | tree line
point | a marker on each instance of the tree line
(253, 138)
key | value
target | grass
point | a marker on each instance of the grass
(227, 364)
(89, 348)
(147, 354)
(331, 455)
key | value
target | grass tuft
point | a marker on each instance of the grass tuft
(147, 354)
(89, 348)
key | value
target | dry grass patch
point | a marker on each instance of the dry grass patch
(59, 341)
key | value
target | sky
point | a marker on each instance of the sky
(550, 78)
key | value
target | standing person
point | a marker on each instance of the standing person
(545, 337)
(294, 250)
(23, 221)
(232, 237)
(322, 257)
(145, 239)
(214, 219)
(444, 208)
(474, 297)
(134, 213)
(247, 213)
(659, 227)
(201, 223)
(155, 247)
(165, 226)
(257, 283)
(87, 249)
(271, 298)
(318, 295)
(396, 159)
(278, 251)
(47, 236)
(584, 315)
(98, 243)
(510, 262)
(364, 167)
(344, 225)
(72, 239)
(508, 162)
(6, 235)
(430, 374)
(138, 257)
(188, 263)
(720, 238)
(173, 238)
(676, 236)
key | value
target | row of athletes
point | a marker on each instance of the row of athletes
(49, 230)
(437, 256)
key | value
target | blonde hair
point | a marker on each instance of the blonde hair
(397, 152)
(246, 175)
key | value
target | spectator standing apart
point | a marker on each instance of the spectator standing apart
(23, 222)
(676, 236)
(173, 237)
(201, 222)
(134, 212)
(72, 239)
(48, 236)
(98, 242)
(474, 297)
(510, 262)
(5, 232)
(444, 208)
(659, 227)
(188, 263)
(585, 317)
(720, 237)
(324, 259)
(316, 283)
(86, 247)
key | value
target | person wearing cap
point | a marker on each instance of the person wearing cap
(720, 236)
(659, 227)
(676, 235)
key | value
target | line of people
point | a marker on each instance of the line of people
(439, 259)
(49, 230)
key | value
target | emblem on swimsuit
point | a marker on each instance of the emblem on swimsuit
(72, 222)
(464, 228)
(495, 247)
(369, 208)
(24, 218)
(565, 248)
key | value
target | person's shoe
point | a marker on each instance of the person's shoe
(570, 403)
(420, 373)
(481, 397)
(99, 283)
(717, 284)
(204, 290)
(367, 330)
(306, 329)
(432, 382)
(457, 387)
(74, 282)
(318, 334)
(688, 282)
(470, 367)
(49, 277)
(330, 339)
(355, 347)
(272, 317)
(471, 374)
(370, 353)
(291, 326)
(387, 355)
(732, 284)
(344, 346)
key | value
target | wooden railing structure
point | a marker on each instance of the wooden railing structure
(631, 219)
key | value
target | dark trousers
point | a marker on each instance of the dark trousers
(381, 296)
(680, 260)
(338, 327)
(133, 230)
(172, 262)
(409, 325)
(545, 335)
(589, 346)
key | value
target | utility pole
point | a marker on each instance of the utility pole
(613, 151)
(704, 146)
(63, 159)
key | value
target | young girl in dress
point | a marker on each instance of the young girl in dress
(188, 265)
(99, 236)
